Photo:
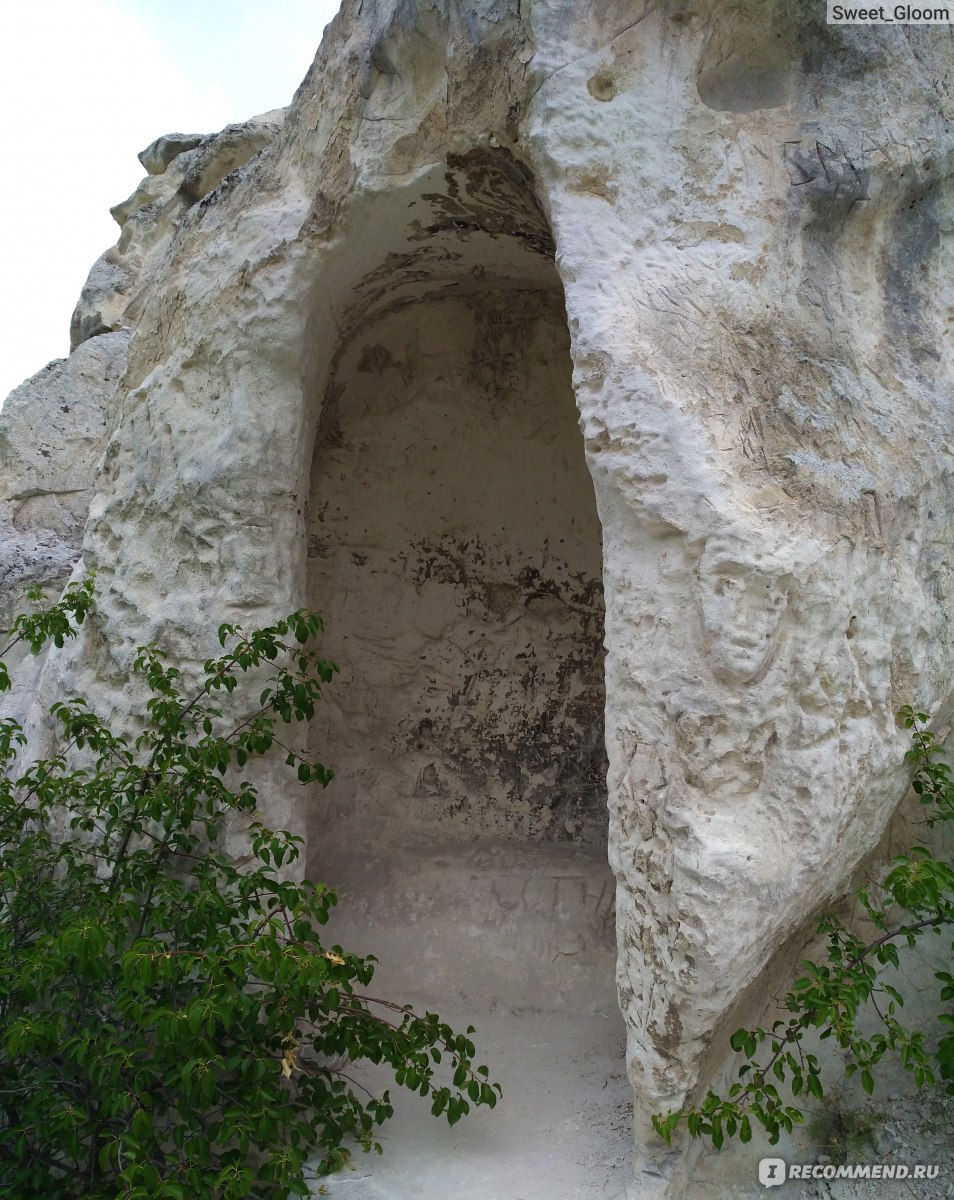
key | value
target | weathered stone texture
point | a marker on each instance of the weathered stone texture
(183, 170)
(750, 217)
(483, 671)
(53, 429)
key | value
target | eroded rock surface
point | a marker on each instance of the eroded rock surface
(184, 170)
(749, 215)
(53, 430)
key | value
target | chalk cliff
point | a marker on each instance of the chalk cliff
(359, 337)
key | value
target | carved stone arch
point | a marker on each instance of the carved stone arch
(455, 551)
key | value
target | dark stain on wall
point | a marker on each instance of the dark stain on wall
(519, 740)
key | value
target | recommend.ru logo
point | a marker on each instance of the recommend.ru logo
(773, 1172)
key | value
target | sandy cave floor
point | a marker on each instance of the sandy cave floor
(543, 1140)
(562, 1130)
(580, 1151)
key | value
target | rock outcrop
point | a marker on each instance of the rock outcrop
(732, 225)
(52, 434)
(53, 429)
(183, 170)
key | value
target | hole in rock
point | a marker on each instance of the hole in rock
(455, 553)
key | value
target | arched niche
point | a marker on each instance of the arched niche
(455, 552)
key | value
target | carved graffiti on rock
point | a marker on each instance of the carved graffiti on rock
(743, 595)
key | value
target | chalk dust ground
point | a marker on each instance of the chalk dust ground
(560, 1132)
(519, 942)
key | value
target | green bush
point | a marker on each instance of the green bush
(830, 995)
(172, 1026)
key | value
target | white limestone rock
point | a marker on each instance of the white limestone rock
(159, 154)
(749, 214)
(183, 169)
(53, 429)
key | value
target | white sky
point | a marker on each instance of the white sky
(87, 84)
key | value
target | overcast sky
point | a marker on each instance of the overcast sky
(86, 85)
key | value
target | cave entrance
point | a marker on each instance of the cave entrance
(455, 552)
